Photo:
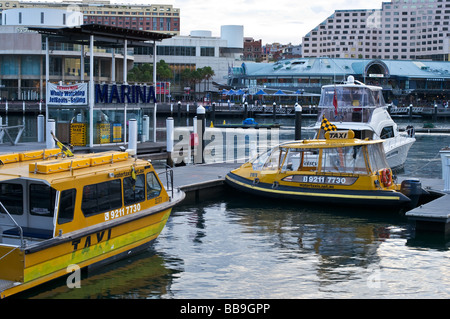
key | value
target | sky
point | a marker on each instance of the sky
(283, 21)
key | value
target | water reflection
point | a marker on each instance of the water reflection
(141, 276)
(248, 247)
(269, 251)
(342, 241)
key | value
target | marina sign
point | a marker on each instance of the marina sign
(124, 93)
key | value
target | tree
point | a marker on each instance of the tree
(207, 74)
(163, 71)
(144, 72)
(194, 77)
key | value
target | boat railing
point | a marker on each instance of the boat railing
(168, 173)
(16, 225)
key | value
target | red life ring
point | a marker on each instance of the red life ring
(386, 177)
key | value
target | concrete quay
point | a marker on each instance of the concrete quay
(146, 150)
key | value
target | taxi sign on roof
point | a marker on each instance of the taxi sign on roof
(332, 135)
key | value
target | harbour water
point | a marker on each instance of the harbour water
(236, 246)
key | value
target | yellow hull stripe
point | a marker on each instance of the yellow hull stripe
(56, 267)
(96, 252)
(312, 194)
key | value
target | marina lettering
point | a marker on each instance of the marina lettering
(106, 93)
(87, 240)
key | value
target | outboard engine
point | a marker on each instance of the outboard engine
(412, 188)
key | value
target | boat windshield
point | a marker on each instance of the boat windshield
(350, 96)
(347, 159)
(334, 160)
(259, 162)
(344, 160)
(352, 103)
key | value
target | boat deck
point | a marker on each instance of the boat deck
(433, 216)
(5, 284)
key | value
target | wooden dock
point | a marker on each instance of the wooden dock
(432, 216)
(201, 181)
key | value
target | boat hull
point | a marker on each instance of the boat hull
(379, 198)
(40, 263)
(397, 153)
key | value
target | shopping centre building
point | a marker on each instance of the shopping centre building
(403, 82)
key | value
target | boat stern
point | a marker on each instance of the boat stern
(12, 261)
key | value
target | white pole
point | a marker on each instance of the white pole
(170, 130)
(82, 64)
(132, 139)
(41, 128)
(154, 86)
(47, 78)
(445, 162)
(145, 128)
(50, 128)
(154, 65)
(113, 66)
(154, 122)
(91, 92)
(125, 49)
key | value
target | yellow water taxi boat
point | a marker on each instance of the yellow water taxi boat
(339, 169)
(57, 211)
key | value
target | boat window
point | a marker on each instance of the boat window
(357, 115)
(273, 161)
(42, 200)
(134, 189)
(347, 97)
(101, 197)
(378, 97)
(344, 160)
(377, 157)
(153, 186)
(66, 206)
(387, 132)
(258, 162)
(11, 196)
(301, 160)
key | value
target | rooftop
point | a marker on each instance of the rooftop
(342, 67)
(104, 35)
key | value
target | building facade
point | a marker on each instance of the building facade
(22, 56)
(252, 50)
(401, 29)
(422, 83)
(158, 17)
(198, 50)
